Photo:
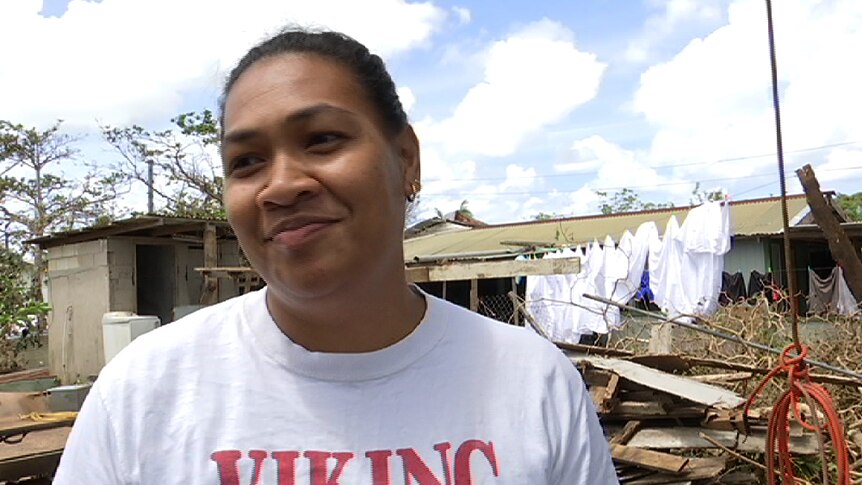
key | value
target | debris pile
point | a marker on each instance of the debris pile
(665, 428)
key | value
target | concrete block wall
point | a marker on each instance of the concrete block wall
(79, 296)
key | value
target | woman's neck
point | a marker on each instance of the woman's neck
(371, 316)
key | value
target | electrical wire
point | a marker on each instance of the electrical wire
(649, 186)
(654, 167)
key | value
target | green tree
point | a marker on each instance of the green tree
(626, 200)
(702, 196)
(852, 205)
(188, 177)
(21, 308)
(36, 194)
(547, 216)
(37, 198)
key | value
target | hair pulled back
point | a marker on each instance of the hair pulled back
(368, 68)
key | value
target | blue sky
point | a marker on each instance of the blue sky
(521, 107)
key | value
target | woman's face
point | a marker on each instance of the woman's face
(315, 188)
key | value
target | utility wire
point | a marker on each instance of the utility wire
(654, 167)
(649, 186)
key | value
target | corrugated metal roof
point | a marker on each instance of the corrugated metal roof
(138, 225)
(748, 218)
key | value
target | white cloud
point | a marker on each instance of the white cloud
(618, 168)
(518, 177)
(532, 79)
(837, 166)
(712, 101)
(463, 15)
(408, 99)
(133, 60)
(674, 16)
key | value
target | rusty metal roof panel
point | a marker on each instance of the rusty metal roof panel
(756, 217)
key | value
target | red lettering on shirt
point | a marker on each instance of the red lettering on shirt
(228, 465)
(415, 469)
(319, 471)
(286, 466)
(380, 470)
(463, 475)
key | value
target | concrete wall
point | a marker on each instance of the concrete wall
(79, 280)
(86, 280)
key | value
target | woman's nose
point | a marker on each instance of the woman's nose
(288, 182)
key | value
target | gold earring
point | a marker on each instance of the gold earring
(415, 187)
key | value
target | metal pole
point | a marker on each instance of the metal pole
(715, 333)
(788, 250)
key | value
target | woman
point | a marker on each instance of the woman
(338, 372)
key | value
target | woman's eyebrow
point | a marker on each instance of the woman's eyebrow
(303, 115)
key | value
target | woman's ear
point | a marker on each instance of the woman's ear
(408, 154)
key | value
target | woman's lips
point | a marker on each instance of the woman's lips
(300, 236)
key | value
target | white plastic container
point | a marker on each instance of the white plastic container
(120, 328)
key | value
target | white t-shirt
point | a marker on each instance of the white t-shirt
(224, 397)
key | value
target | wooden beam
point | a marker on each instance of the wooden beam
(209, 296)
(474, 294)
(651, 460)
(631, 428)
(839, 244)
(688, 438)
(455, 271)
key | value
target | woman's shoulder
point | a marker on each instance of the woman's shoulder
(189, 338)
(472, 329)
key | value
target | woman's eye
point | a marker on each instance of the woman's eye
(324, 140)
(244, 162)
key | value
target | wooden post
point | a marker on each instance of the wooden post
(839, 244)
(209, 296)
(513, 296)
(474, 294)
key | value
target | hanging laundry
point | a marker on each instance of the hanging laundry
(845, 302)
(686, 276)
(830, 294)
(645, 292)
(666, 279)
(706, 239)
(762, 284)
(732, 288)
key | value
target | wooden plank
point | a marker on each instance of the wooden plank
(43, 464)
(14, 426)
(37, 454)
(474, 294)
(839, 244)
(651, 460)
(679, 386)
(455, 270)
(209, 295)
(603, 389)
(631, 428)
(697, 469)
(627, 410)
(36, 443)
(688, 438)
(39, 373)
(729, 378)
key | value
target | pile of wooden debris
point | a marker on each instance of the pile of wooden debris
(666, 428)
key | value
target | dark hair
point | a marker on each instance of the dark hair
(368, 68)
